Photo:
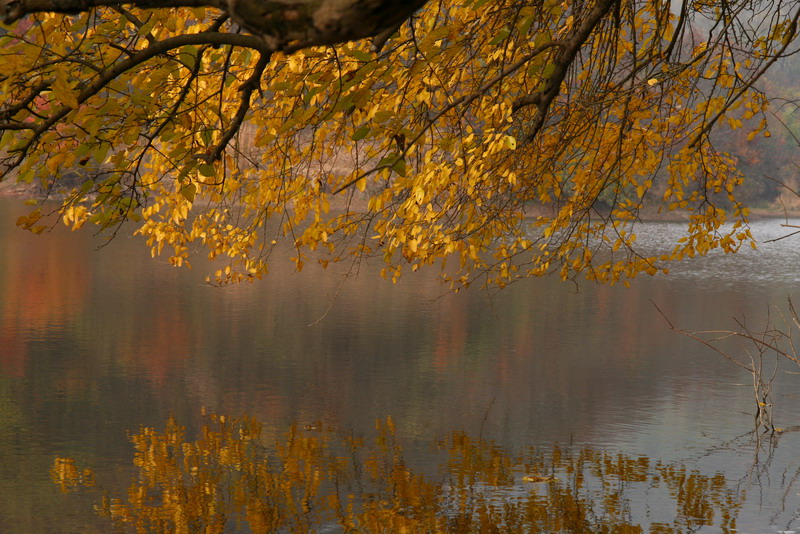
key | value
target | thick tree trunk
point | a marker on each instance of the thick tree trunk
(286, 23)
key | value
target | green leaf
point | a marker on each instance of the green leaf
(400, 167)
(525, 25)
(207, 136)
(310, 94)
(533, 69)
(82, 149)
(188, 191)
(361, 133)
(426, 46)
(147, 26)
(396, 162)
(87, 186)
(207, 170)
(361, 55)
(100, 152)
(501, 36)
(389, 160)
(26, 176)
(185, 171)
(190, 51)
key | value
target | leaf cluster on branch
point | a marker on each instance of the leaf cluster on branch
(516, 138)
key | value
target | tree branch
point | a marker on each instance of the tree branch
(462, 101)
(118, 69)
(563, 61)
(247, 88)
(789, 35)
(281, 24)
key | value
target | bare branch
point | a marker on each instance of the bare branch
(789, 36)
(720, 335)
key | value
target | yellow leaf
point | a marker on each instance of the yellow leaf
(63, 90)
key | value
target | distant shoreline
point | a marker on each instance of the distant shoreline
(10, 188)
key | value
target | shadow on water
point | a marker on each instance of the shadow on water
(229, 478)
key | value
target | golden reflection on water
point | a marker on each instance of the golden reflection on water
(320, 479)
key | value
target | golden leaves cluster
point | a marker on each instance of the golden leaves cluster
(442, 148)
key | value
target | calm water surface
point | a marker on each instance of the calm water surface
(96, 344)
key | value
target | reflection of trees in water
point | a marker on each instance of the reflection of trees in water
(316, 479)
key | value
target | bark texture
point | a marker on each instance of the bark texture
(281, 23)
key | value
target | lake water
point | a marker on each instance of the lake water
(96, 345)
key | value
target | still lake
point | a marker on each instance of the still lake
(96, 344)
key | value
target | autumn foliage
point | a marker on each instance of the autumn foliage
(496, 139)
(313, 479)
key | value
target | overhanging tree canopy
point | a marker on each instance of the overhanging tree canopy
(291, 24)
(518, 137)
